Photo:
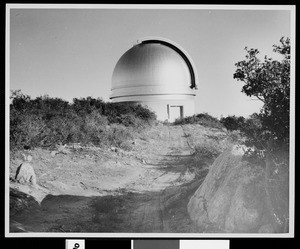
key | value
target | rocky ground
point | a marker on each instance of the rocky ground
(173, 179)
(89, 189)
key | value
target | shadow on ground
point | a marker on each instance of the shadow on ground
(128, 212)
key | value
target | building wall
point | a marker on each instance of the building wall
(163, 109)
(164, 105)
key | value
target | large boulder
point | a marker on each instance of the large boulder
(25, 174)
(232, 196)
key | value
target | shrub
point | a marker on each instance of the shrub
(131, 120)
(58, 130)
(144, 113)
(207, 151)
(19, 101)
(234, 136)
(209, 121)
(48, 107)
(203, 118)
(85, 106)
(93, 127)
(75, 126)
(232, 122)
(252, 129)
(119, 136)
(45, 121)
(26, 130)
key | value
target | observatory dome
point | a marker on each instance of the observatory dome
(153, 72)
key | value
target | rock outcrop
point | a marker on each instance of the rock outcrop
(232, 196)
(20, 201)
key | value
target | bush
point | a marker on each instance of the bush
(207, 151)
(253, 130)
(46, 121)
(119, 136)
(93, 127)
(129, 120)
(234, 136)
(203, 119)
(232, 123)
(26, 130)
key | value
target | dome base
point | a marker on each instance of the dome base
(166, 109)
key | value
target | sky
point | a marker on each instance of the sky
(71, 53)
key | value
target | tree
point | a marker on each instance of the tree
(269, 81)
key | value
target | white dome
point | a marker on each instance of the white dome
(153, 67)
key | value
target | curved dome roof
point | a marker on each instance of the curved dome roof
(153, 67)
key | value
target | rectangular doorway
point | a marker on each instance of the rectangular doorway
(175, 112)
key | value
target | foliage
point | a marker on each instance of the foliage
(119, 136)
(269, 81)
(232, 122)
(26, 129)
(251, 128)
(235, 136)
(130, 120)
(113, 111)
(207, 151)
(268, 131)
(46, 121)
(209, 147)
(202, 118)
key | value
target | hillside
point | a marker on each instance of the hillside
(91, 189)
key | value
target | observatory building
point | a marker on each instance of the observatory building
(159, 74)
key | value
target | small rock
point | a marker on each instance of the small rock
(143, 161)
(53, 153)
(25, 174)
(114, 149)
(62, 149)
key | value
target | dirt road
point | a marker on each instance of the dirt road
(159, 211)
(153, 202)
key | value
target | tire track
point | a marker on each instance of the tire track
(149, 214)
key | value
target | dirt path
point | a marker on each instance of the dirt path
(163, 209)
(150, 216)
(154, 202)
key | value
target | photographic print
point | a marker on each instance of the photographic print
(150, 120)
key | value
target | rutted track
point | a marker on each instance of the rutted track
(150, 217)
(159, 211)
